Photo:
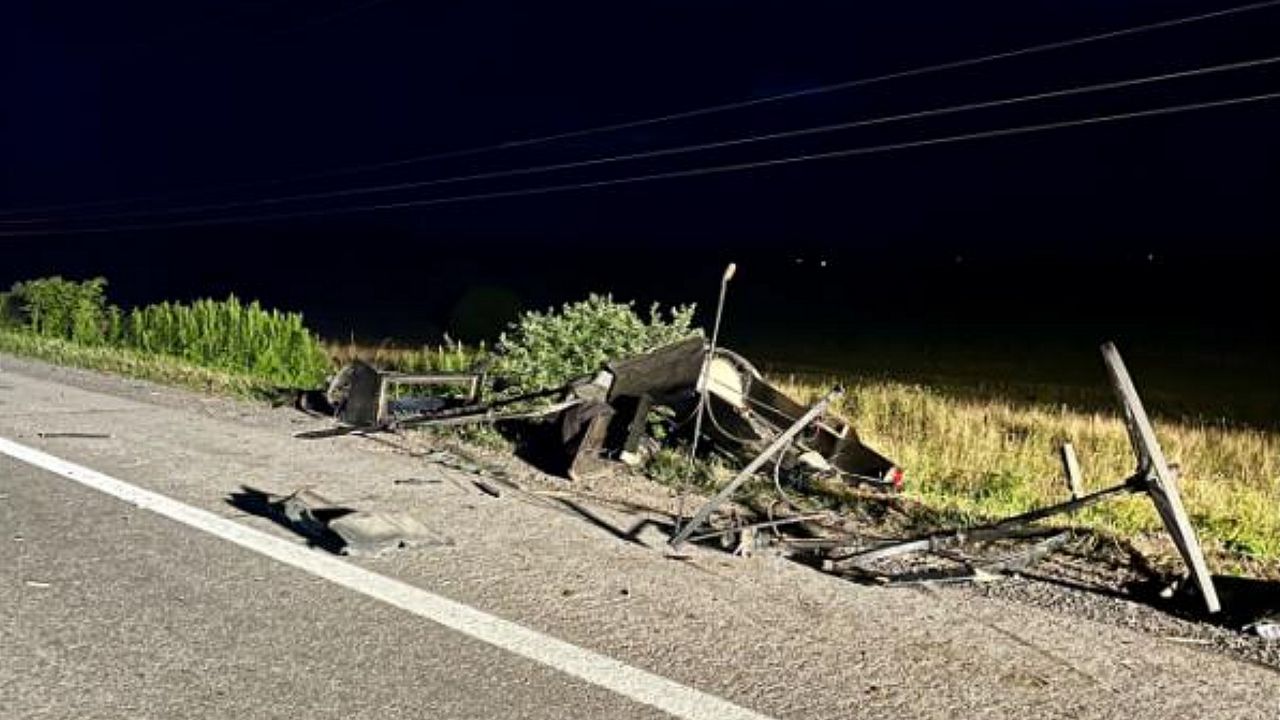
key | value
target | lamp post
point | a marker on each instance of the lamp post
(729, 272)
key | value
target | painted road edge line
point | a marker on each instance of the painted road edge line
(592, 667)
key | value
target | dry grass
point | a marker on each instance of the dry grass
(991, 458)
(445, 357)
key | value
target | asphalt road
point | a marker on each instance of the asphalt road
(109, 610)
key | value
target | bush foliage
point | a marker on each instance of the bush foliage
(547, 349)
(225, 335)
(65, 309)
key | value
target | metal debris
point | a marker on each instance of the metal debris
(781, 442)
(1267, 630)
(75, 435)
(608, 418)
(486, 488)
(417, 481)
(1152, 477)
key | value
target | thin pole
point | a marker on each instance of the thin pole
(706, 362)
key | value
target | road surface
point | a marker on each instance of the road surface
(116, 611)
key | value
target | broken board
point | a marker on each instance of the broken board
(1161, 484)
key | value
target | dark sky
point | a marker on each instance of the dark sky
(1160, 223)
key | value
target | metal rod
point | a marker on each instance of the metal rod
(999, 529)
(758, 526)
(706, 361)
(774, 447)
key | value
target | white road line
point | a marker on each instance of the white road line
(639, 685)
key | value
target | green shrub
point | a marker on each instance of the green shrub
(230, 335)
(9, 318)
(547, 349)
(63, 309)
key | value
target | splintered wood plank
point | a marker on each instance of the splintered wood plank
(1162, 486)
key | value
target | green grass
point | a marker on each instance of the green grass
(133, 363)
(224, 335)
(230, 336)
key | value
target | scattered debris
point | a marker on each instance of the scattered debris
(1267, 630)
(338, 528)
(363, 396)
(75, 435)
(739, 529)
(369, 533)
(1152, 477)
(634, 405)
(778, 445)
(605, 418)
(486, 488)
(1188, 640)
(417, 481)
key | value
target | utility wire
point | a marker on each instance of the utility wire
(703, 111)
(687, 173)
(684, 149)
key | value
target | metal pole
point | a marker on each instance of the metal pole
(779, 443)
(706, 362)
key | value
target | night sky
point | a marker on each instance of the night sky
(1155, 230)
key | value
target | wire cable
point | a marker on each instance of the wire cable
(686, 149)
(669, 175)
(703, 111)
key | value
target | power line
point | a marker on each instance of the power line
(685, 149)
(687, 173)
(703, 111)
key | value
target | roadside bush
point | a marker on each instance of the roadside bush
(230, 335)
(9, 311)
(547, 349)
(63, 309)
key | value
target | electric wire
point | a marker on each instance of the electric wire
(703, 111)
(685, 149)
(667, 175)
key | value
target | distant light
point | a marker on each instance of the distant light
(959, 259)
(799, 261)
(822, 263)
(1151, 257)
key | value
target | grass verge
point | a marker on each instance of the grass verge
(133, 363)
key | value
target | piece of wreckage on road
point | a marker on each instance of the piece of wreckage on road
(614, 415)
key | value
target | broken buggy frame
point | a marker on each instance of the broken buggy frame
(1153, 477)
(363, 398)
